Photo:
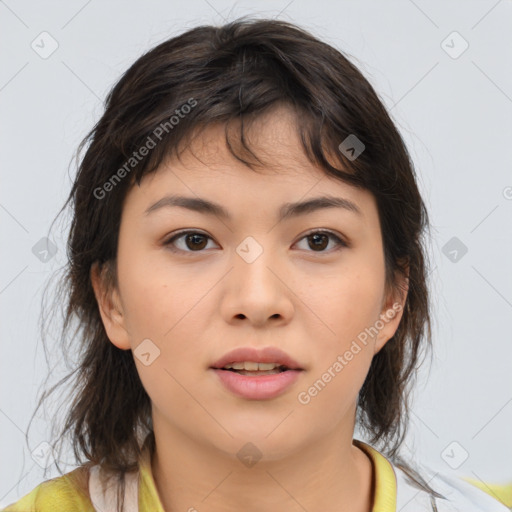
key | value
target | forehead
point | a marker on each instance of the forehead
(271, 143)
(206, 168)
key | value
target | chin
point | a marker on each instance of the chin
(268, 443)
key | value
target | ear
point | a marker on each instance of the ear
(393, 306)
(109, 305)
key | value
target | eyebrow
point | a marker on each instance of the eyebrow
(287, 210)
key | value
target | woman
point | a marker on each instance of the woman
(247, 266)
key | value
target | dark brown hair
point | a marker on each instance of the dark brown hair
(231, 74)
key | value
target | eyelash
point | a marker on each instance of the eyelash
(168, 243)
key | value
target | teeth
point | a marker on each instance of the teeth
(252, 367)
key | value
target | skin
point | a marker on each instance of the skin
(198, 304)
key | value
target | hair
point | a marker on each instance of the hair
(224, 75)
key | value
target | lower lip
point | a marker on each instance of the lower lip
(261, 387)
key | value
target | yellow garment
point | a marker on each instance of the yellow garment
(384, 481)
(66, 494)
(55, 495)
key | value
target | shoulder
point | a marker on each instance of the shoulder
(458, 494)
(68, 492)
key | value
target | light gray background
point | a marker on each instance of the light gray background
(454, 113)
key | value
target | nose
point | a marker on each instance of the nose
(256, 290)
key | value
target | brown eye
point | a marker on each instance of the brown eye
(318, 241)
(194, 241)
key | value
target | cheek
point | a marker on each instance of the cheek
(160, 308)
(161, 304)
(330, 394)
(341, 363)
(349, 304)
(155, 295)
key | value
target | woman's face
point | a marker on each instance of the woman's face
(250, 279)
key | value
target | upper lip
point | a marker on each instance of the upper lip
(263, 355)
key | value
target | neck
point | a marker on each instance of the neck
(328, 475)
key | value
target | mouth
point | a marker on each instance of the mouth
(257, 381)
(255, 372)
(257, 384)
(251, 359)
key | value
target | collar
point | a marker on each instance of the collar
(384, 479)
(148, 495)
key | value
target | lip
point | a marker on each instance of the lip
(264, 355)
(263, 387)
